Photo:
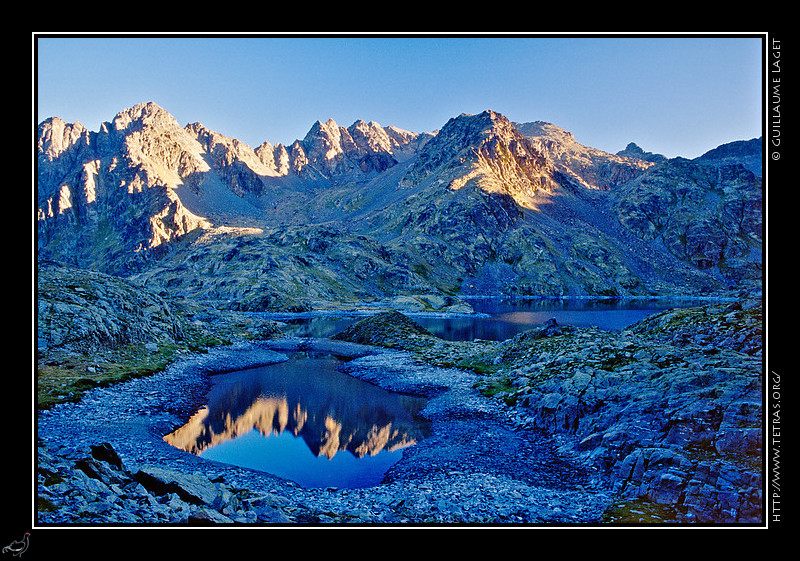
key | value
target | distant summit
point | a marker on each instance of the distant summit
(632, 150)
(482, 206)
(746, 152)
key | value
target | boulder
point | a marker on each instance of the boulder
(191, 488)
(550, 328)
(205, 515)
(106, 453)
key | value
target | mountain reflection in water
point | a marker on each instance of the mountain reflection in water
(303, 420)
(501, 319)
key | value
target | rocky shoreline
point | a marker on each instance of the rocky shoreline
(445, 480)
(659, 423)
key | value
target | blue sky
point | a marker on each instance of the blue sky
(674, 96)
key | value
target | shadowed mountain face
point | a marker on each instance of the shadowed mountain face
(482, 206)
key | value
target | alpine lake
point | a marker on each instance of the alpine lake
(306, 421)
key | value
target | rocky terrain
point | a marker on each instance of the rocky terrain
(481, 206)
(454, 476)
(659, 423)
(159, 247)
(669, 410)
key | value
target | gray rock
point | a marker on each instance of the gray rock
(191, 488)
(362, 212)
(631, 413)
(83, 310)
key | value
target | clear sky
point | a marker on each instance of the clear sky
(674, 96)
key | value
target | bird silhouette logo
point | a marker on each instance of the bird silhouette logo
(18, 547)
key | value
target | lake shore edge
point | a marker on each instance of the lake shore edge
(455, 483)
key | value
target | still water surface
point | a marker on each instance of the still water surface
(502, 319)
(305, 421)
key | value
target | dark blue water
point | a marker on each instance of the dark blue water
(506, 318)
(510, 317)
(305, 421)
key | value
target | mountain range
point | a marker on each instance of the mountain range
(482, 206)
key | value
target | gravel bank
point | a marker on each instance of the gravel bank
(477, 467)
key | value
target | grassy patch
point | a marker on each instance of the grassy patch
(499, 387)
(67, 378)
(639, 511)
(44, 505)
(467, 363)
(482, 368)
(477, 357)
(615, 361)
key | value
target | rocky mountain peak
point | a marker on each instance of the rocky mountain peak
(549, 135)
(328, 130)
(584, 165)
(115, 187)
(371, 137)
(348, 152)
(224, 152)
(453, 209)
(475, 128)
(323, 146)
(745, 152)
(56, 136)
(143, 115)
(471, 131)
(632, 150)
(488, 149)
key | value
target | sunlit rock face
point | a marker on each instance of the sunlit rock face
(482, 206)
(486, 149)
(104, 197)
(325, 435)
(585, 165)
(300, 397)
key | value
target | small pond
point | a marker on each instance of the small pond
(305, 421)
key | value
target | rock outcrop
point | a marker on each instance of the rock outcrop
(393, 330)
(482, 206)
(669, 409)
(633, 150)
(710, 217)
(83, 310)
(95, 486)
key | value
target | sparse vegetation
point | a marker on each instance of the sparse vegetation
(66, 378)
(501, 387)
(65, 372)
(639, 512)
